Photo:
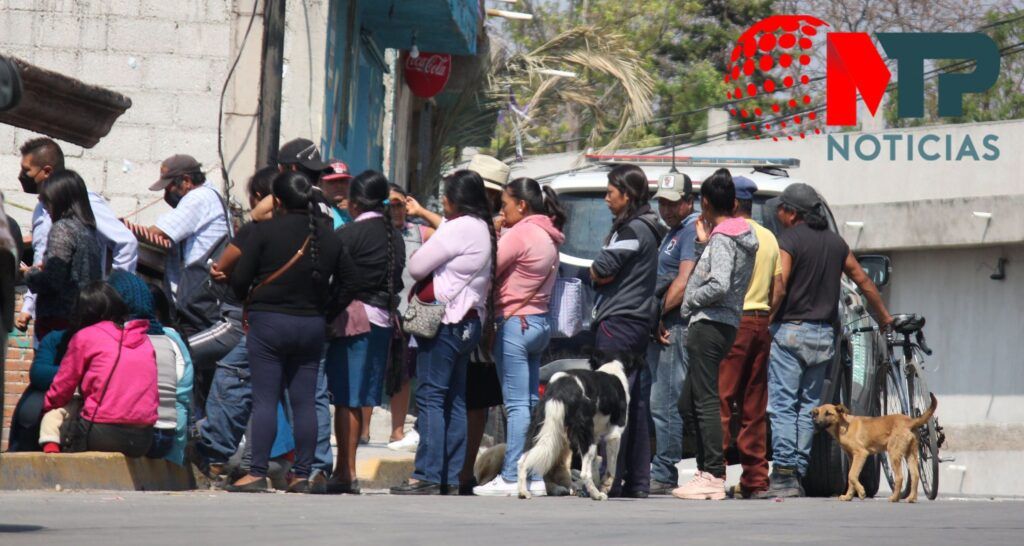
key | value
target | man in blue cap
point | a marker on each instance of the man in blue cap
(743, 375)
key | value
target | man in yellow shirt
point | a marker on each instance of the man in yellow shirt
(743, 374)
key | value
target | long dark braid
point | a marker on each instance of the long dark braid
(390, 229)
(314, 241)
(295, 191)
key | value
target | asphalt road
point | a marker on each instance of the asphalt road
(119, 518)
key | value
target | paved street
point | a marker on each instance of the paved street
(107, 518)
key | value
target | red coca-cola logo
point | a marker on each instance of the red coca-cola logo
(427, 74)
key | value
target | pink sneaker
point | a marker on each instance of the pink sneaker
(703, 486)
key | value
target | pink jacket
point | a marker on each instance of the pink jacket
(526, 253)
(131, 395)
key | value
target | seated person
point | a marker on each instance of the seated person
(111, 361)
(24, 435)
(173, 367)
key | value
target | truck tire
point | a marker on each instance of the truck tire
(828, 469)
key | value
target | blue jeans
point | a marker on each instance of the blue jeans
(667, 365)
(797, 364)
(517, 353)
(227, 407)
(441, 398)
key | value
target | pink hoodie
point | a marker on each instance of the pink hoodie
(131, 395)
(526, 253)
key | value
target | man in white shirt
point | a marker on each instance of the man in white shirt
(41, 157)
(199, 218)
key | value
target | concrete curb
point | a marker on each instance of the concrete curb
(384, 472)
(91, 470)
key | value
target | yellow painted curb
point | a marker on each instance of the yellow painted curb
(91, 470)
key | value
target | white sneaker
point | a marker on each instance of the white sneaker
(498, 487)
(408, 443)
(537, 488)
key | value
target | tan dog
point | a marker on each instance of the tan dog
(863, 436)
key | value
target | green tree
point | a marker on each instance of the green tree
(683, 45)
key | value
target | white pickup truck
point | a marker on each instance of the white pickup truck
(852, 374)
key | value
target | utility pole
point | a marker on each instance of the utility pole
(269, 124)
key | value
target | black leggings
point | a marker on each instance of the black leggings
(707, 343)
(284, 352)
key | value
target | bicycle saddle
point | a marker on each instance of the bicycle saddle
(907, 324)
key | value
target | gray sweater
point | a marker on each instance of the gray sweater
(631, 258)
(720, 279)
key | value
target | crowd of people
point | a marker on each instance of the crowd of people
(340, 289)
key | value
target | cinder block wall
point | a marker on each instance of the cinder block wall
(170, 58)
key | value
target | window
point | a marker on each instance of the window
(588, 221)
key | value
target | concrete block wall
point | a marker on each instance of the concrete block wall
(170, 58)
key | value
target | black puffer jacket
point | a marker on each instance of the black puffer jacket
(366, 243)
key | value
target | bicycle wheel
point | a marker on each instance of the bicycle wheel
(892, 402)
(927, 435)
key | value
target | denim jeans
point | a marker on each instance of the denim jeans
(797, 364)
(517, 354)
(227, 407)
(667, 365)
(441, 398)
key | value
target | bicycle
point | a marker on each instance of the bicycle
(901, 388)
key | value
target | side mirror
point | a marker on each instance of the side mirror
(878, 268)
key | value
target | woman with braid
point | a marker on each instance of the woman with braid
(357, 359)
(455, 268)
(284, 275)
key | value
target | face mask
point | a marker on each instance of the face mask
(172, 199)
(28, 184)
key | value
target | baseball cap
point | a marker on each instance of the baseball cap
(745, 188)
(674, 186)
(173, 167)
(336, 170)
(494, 171)
(303, 152)
(800, 197)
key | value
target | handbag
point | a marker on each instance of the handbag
(271, 278)
(566, 308)
(423, 319)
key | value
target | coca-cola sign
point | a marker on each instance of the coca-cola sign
(427, 74)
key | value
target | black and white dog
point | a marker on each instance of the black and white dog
(580, 409)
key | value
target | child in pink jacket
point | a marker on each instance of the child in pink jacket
(111, 362)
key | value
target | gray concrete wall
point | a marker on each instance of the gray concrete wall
(933, 223)
(975, 327)
(171, 59)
